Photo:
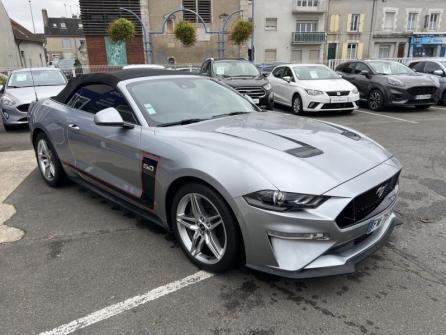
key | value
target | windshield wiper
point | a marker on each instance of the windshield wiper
(229, 114)
(181, 122)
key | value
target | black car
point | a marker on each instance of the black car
(388, 83)
(242, 76)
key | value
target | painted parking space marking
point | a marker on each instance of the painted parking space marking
(120, 307)
(388, 116)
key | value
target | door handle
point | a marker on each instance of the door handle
(73, 126)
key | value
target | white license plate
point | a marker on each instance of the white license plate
(374, 224)
(256, 101)
(339, 99)
(423, 97)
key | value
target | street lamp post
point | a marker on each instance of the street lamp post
(32, 16)
(146, 36)
(227, 18)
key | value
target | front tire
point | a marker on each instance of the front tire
(49, 164)
(376, 100)
(297, 106)
(205, 228)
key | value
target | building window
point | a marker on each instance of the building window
(433, 21)
(306, 26)
(66, 44)
(307, 3)
(170, 26)
(54, 25)
(63, 25)
(354, 26)
(270, 55)
(271, 23)
(384, 51)
(352, 50)
(80, 25)
(202, 7)
(389, 21)
(412, 21)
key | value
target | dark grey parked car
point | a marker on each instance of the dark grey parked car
(388, 83)
(435, 67)
(285, 194)
(241, 75)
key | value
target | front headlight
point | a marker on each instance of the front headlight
(355, 91)
(267, 86)
(314, 92)
(284, 201)
(395, 82)
(7, 100)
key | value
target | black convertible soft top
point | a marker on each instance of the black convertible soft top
(111, 79)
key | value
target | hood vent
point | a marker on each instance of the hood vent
(304, 151)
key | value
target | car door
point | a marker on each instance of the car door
(362, 79)
(275, 78)
(288, 88)
(109, 157)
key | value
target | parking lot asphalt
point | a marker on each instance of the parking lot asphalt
(81, 254)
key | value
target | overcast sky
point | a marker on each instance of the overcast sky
(19, 11)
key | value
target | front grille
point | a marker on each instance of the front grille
(23, 108)
(365, 203)
(253, 92)
(338, 105)
(422, 90)
(335, 93)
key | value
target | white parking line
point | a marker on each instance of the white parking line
(387, 116)
(128, 304)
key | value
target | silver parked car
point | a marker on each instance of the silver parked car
(285, 194)
(23, 87)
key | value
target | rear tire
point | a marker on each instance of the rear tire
(422, 107)
(376, 100)
(48, 162)
(443, 99)
(296, 106)
(205, 228)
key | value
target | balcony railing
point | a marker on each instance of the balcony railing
(309, 38)
(309, 6)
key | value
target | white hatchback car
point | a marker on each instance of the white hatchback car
(312, 88)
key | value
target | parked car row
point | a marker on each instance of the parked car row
(305, 88)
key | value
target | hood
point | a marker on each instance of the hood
(411, 81)
(245, 81)
(327, 85)
(295, 154)
(28, 94)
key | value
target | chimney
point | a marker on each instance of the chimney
(45, 17)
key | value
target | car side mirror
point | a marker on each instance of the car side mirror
(2, 89)
(287, 79)
(438, 73)
(264, 74)
(110, 117)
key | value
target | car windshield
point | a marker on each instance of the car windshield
(314, 73)
(235, 69)
(36, 78)
(189, 99)
(389, 67)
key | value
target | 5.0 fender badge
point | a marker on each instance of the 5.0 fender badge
(148, 167)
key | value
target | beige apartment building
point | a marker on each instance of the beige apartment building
(64, 38)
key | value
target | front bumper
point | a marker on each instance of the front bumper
(279, 242)
(12, 116)
(403, 97)
(323, 102)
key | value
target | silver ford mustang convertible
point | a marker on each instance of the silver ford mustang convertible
(284, 194)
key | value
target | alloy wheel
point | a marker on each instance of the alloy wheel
(375, 100)
(296, 105)
(201, 229)
(46, 160)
